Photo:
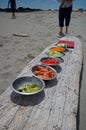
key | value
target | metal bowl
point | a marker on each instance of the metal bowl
(35, 69)
(50, 64)
(22, 80)
(55, 54)
(62, 45)
(57, 49)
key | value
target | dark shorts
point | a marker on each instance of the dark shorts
(13, 8)
(64, 14)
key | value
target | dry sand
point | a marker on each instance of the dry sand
(42, 30)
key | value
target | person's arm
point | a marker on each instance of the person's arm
(61, 2)
(8, 3)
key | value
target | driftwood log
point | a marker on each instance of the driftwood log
(56, 107)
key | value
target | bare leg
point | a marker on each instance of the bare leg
(61, 30)
(13, 15)
(66, 31)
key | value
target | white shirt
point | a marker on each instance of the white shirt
(66, 4)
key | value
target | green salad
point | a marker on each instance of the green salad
(29, 88)
(54, 54)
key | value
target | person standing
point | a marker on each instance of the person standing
(65, 10)
(12, 4)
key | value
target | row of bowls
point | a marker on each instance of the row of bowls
(40, 72)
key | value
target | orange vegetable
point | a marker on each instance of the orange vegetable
(44, 72)
(59, 49)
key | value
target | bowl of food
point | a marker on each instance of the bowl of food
(51, 61)
(44, 72)
(58, 49)
(55, 54)
(62, 45)
(27, 85)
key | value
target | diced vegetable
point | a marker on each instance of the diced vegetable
(50, 61)
(54, 54)
(59, 49)
(29, 88)
(44, 72)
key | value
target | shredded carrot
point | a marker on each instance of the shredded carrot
(57, 49)
(44, 72)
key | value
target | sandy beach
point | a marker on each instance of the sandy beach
(41, 29)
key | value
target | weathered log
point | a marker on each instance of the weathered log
(55, 108)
